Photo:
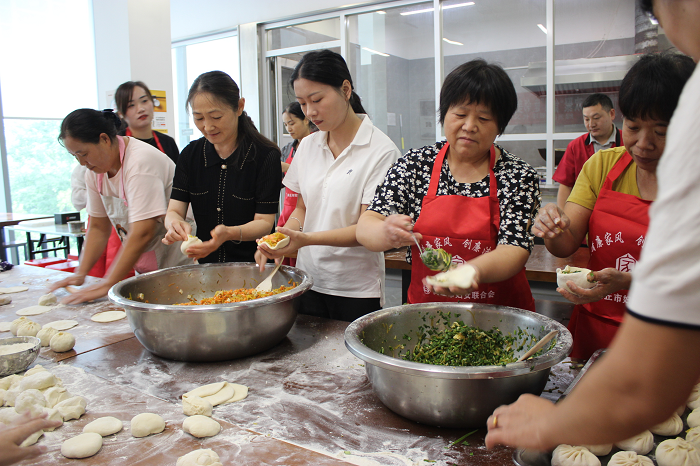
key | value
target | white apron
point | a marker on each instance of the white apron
(157, 255)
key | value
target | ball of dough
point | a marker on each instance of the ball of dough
(48, 300)
(10, 381)
(11, 395)
(693, 418)
(203, 457)
(62, 342)
(146, 424)
(35, 369)
(16, 323)
(201, 426)
(32, 439)
(52, 414)
(599, 450)
(55, 395)
(38, 381)
(669, 428)
(193, 405)
(72, 408)
(8, 415)
(191, 241)
(28, 329)
(629, 458)
(2, 396)
(640, 444)
(104, 426)
(677, 452)
(45, 335)
(567, 455)
(82, 446)
(31, 401)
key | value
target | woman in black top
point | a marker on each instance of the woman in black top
(135, 106)
(231, 176)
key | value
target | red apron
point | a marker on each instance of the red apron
(155, 136)
(466, 227)
(290, 198)
(616, 232)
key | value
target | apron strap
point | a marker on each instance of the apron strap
(100, 176)
(437, 169)
(617, 170)
(155, 136)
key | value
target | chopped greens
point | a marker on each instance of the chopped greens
(436, 259)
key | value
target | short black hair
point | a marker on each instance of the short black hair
(595, 99)
(482, 83)
(651, 88)
(647, 6)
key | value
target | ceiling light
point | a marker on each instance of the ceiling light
(446, 7)
(380, 12)
(453, 42)
(374, 51)
(544, 29)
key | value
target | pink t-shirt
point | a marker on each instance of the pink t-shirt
(148, 180)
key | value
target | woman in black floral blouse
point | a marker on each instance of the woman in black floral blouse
(476, 203)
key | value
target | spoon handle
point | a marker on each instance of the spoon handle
(538, 346)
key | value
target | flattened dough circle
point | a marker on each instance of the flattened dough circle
(13, 289)
(108, 316)
(61, 324)
(34, 310)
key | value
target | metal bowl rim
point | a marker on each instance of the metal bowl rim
(130, 305)
(31, 354)
(550, 358)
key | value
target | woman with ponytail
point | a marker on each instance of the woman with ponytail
(335, 171)
(231, 176)
(128, 186)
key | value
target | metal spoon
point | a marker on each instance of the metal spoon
(424, 253)
(538, 346)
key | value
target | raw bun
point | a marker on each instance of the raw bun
(108, 316)
(640, 444)
(599, 450)
(45, 335)
(82, 446)
(567, 455)
(192, 405)
(54, 395)
(693, 436)
(33, 310)
(145, 424)
(191, 241)
(61, 324)
(677, 452)
(72, 408)
(104, 426)
(48, 300)
(30, 401)
(575, 274)
(201, 426)
(62, 342)
(629, 458)
(203, 457)
(461, 277)
(14, 326)
(669, 428)
(5, 300)
(206, 390)
(694, 399)
(28, 329)
(38, 381)
(693, 418)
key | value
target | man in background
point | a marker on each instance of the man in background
(598, 116)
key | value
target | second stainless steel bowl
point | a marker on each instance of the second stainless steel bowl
(208, 332)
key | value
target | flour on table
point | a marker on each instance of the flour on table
(108, 316)
(34, 310)
(13, 289)
(61, 324)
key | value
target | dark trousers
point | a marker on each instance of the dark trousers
(336, 307)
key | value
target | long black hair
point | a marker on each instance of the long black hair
(652, 87)
(326, 67)
(86, 125)
(224, 89)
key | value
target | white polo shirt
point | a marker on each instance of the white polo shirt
(333, 190)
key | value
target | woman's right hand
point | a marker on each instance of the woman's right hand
(76, 280)
(551, 221)
(397, 230)
(178, 231)
(297, 240)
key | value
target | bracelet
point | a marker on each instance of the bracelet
(298, 221)
(240, 240)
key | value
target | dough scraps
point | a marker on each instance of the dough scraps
(206, 390)
(241, 393)
(13, 289)
(34, 310)
(61, 324)
(108, 316)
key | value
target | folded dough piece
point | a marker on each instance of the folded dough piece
(461, 277)
(575, 274)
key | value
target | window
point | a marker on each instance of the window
(304, 34)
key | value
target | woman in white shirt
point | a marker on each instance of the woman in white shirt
(335, 171)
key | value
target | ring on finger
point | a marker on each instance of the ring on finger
(495, 421)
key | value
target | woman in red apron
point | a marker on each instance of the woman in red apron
(298, 127)
(467, 196)
(611, 199)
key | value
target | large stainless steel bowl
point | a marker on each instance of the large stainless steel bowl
(448, 396)
(16, 362)
(208, 332)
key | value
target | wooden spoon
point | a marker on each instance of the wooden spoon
(538, 346)
(266, 285)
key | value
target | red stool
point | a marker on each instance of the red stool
(45, 261)
(68, 266)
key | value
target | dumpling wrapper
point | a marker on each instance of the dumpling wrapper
(206, 390)
(461, 277)
(280, 244)
(61, 324)
(13, 289)
(34, 310)
(108, 316)
(577, 275)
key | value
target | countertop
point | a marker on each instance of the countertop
(309, 402)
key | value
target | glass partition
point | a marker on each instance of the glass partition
(303, 34)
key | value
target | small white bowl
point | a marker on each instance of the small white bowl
(280, 244)
(577, 275)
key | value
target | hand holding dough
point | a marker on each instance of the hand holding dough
(577, 275)
(463, 277)
(191, 241)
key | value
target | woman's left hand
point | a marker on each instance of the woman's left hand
(89, 293)
(297, 239)
(608, 280)
(453, 290)
(218, 236)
